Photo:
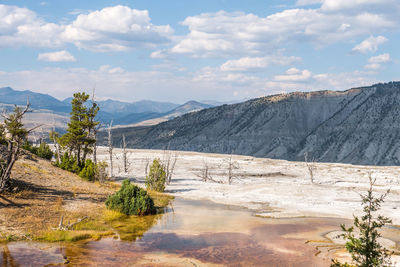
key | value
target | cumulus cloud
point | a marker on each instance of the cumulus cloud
(116, 28)
(225, 33)
(58, 56)
(376, 62)
(370, 44)
(257, 63)
(21, 27)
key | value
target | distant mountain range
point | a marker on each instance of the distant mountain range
(49, 110)
(359, 126)
(37, 100)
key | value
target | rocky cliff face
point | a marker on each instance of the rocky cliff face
(359, 126)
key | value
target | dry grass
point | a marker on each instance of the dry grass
(44, 193)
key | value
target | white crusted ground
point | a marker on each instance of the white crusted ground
(275, 188)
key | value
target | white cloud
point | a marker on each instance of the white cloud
(384, 58)
(308, 2)
(114, 82)
(208, 83)
(58, 56)
(238, 33)
(370, 44)
(116, 28)
(323, 81)
(294, 75)
(257, 63)
(335, 5)
(376, 62)
(159, 54)
(21, 27)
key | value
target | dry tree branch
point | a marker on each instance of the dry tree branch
(67, 227)
(310, 166)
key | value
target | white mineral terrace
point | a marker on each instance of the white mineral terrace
(273, 188)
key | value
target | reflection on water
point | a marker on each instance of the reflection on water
(193, 233)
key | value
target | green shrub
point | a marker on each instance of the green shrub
(44, 151)
(66, 162)
(131, 200)
(28, 146)
(69, 163)
(157, 177)
(88, 171)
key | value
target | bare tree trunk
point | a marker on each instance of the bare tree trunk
(11, 157)
(124, 159)
(14, 137)
(232, 165)
(310, 166)
(110, 148)
(95, 146)
(56, 145)
(146, 168)
(169, 162)
(58, 151)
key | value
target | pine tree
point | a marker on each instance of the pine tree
(364, 247)
(80, 138)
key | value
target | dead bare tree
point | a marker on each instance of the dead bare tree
(205, 173)
(69, 226)
(169, 162)
(95, 132)
(101, 171)
(124, 155)
(54, 136)
(146, 168)
(310, 163)
(110, 148)
(12, 136)
(232, 166)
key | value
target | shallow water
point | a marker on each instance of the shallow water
(191, 233)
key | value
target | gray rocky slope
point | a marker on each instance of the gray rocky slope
(360, 126)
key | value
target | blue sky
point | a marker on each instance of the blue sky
(176, 51)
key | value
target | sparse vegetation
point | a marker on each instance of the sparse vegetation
(363, 245)
(156, 179)
(43, 150)
(131, 200)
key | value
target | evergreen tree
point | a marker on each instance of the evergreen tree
(80, 138)
(364, 247)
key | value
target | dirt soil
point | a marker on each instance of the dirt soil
(43, 193)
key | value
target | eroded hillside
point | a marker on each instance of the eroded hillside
(359, 126)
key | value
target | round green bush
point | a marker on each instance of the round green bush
(131, 200)
(157, 177)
